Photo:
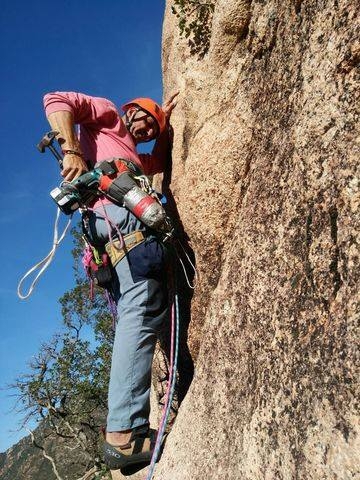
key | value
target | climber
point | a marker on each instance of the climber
(140, 291)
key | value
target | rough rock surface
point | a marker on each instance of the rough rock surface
(266, 179)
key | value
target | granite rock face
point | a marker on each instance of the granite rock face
(266, 179)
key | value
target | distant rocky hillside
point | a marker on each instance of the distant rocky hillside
(23, 461)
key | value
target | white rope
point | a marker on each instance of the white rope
(43, 264)
(192, 286)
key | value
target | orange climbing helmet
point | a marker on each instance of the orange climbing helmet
(151, 107)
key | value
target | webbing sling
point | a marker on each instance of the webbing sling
(117, 253)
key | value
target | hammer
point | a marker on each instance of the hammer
(47, 141)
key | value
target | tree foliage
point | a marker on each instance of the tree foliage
(195, 19)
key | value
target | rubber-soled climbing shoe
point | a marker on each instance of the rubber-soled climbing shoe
(138, 451)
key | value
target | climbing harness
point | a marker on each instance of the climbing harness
(117, 252)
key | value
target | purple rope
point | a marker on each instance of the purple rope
(174, 347)
(112, 308)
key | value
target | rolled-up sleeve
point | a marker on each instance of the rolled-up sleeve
(84, 108)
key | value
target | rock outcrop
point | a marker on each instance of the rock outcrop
(266, 179)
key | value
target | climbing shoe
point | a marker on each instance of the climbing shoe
(138, 451)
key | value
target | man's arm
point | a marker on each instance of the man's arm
(73, 164)
(161, 149)
(64, 110)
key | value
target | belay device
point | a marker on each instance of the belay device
(118, 180)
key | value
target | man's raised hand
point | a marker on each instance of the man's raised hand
(169, 105)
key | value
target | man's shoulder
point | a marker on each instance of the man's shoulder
(82, 96)
(106, 102)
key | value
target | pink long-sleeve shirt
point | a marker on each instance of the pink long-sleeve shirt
(102, 132)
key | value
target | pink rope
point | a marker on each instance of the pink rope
(112, 308)
(86, 260)
(110, 224)
(171, 365)
(87, 257)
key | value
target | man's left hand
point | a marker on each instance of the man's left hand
(169, 105)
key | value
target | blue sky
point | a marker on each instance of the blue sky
(110, 48)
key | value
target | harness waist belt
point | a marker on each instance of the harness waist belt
(131, 240)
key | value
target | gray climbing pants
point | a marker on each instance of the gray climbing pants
(142, 306)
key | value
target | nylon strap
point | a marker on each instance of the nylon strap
(131, 240)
